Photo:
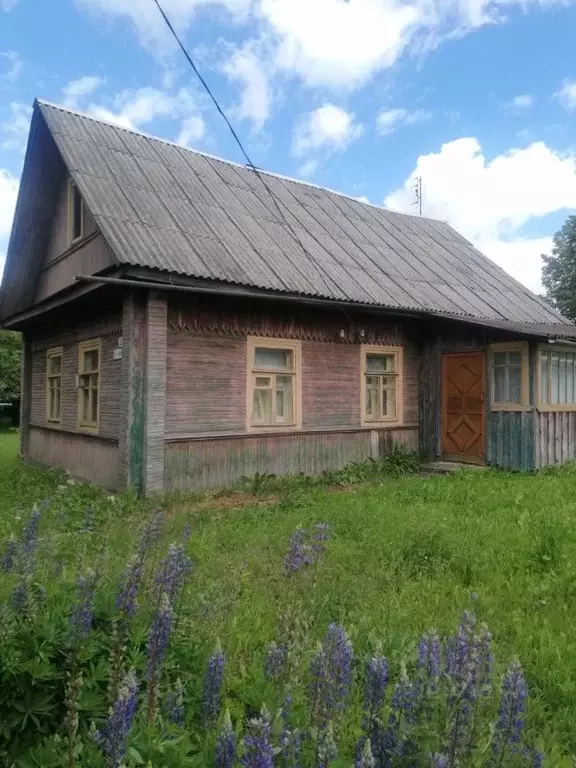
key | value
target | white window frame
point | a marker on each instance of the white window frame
(398, 352)
(294, 346)
(83, 347)
(551, 407)
(524, 349)
(50, 354)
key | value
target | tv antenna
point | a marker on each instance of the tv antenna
(418, 194)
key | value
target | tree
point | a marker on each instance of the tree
(9, 366)
(559, 270)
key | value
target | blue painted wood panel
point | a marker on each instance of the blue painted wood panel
(510, 442)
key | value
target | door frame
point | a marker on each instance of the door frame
(460, 457)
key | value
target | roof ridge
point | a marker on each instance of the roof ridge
(274, 174)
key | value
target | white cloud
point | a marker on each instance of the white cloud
(521, 102)
(489, 201)
(78, 89)
(328, 127)
(308, 169)
(8, 194)
(567, 95)
(245, 67)
(10, 67)
(135, 108)
(388, 120)
(192, 130)
(15, 128)
(7, 5)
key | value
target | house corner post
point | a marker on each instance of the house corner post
(25, 396)
(155, 406)
(133, 403)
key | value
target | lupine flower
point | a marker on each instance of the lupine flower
(275, 661)
(438, 760)
(30, 542)
(297, 555)
(330, 676)
(258, 751)
(127, 599)
(81, 617)
(112, 738)
(404, 701)
(174, 570)
(290, 739)
(327, 750)
(225, 745)
(533, 758)
(429, 659)
(175, 705)
(71, 697)
(156, 651)
(19, 598)
(8, 561)
(459, 649)
(213, 687)
(365, 759)
(485, 661)
(510, 724)
(320, 539)
(88, 522)
(374, 690)
(186, 533)
(151, 533)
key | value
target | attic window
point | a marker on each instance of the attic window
(75, 212)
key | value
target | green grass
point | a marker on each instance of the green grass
(407, 554)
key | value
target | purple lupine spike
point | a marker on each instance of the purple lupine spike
(213, 687)
(112, 737)
(175, 705)
(365, 758)
(404, 701)
(327, 751)
(374, 690)
(127, 598)
(88, 522)
(186, 533)
(81, 617)
(10, 556)
(510, 723)
(158, 640)
(225, 744)
(151, 533)
(30, 542)
(330, 676)
(296, 557)
(429, 659)
(320, 539)
(174, 570)
(290, 738)
(258, 750)
(19, 597)
(459, 649)
(485, 661)
(533, 758)
(438, 760)
(275, 661)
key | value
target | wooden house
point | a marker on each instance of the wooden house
(187, 321)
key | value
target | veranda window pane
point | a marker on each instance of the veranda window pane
(544, 368)
(389, 403)
(274, 359)
(56, 406)
(371, 403)
(284, 398)
(500, 387)
(500, 358)
(514, 358)
(555, 390)
(91, 360)
(562, 377)
(94, 407)
(263, 381)
(570, 379)
(55, 365)
(515, 384)
(262, 406)
(380, 363)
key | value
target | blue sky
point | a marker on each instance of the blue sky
(476, 96)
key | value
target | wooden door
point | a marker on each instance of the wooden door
(463, 406)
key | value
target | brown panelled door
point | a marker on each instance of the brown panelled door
(463, 406)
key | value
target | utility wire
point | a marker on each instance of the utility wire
(230, 127)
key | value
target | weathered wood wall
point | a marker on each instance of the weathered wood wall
(554, 438)
(85, 456)
(510, 439)
(201, 464)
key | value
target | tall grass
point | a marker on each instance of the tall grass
(406, 555)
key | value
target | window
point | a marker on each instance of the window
(88, 384)
(510, 376)
(557, 379)
(273, 383)
(381, 384)
(54, 385)
(75, 212)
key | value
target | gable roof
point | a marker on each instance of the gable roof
(161, 206)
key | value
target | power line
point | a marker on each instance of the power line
(230, 127)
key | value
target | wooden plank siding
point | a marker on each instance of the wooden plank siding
(156, 328)
(510, 439)
(85, 456)
(202, 464)
(555, 437)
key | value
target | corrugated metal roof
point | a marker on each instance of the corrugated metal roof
(173, 209)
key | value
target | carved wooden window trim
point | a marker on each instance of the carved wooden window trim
(88, 383)
(496, 351)
(380, 383)
(283, 384)
(54, 384)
